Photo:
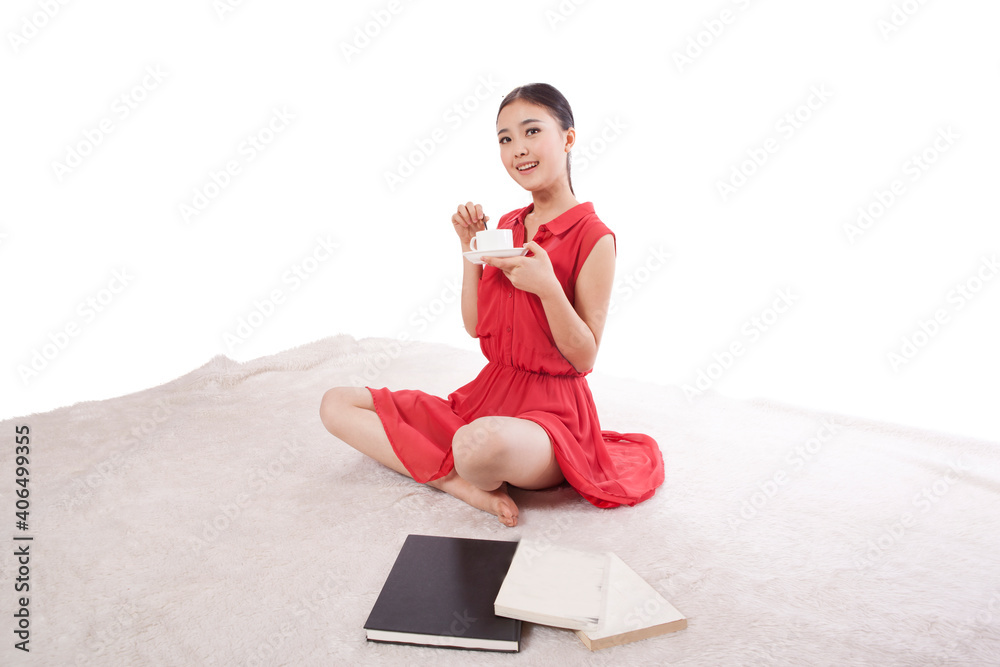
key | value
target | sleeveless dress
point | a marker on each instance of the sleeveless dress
(527, 377)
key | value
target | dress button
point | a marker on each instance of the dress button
(508, 329)
(510, 294)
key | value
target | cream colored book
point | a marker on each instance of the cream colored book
(633, 610)
(554, 585)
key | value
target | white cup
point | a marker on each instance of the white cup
(492, 239)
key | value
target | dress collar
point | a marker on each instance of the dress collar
(562, 222)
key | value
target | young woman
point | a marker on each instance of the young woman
(528, 419)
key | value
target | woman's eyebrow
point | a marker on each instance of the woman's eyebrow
(523, 122)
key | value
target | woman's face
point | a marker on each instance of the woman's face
(530, 138)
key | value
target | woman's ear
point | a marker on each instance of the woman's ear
(570, 139)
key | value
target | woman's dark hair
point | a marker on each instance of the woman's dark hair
(546, 96)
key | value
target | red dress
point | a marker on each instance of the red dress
(526, 376)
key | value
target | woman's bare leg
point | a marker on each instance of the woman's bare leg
(349, 413)
(492, 450)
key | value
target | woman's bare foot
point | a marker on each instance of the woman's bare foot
(497, 502)
(503, 506)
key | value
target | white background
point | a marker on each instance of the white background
(656, 137)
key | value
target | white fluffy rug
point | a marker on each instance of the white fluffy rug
(214, 521)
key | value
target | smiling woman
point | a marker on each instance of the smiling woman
(528, 419)
(556, 106)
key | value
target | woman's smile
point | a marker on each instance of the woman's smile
(527, 167)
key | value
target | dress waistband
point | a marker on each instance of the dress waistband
(525, 370)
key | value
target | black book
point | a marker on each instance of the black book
(440, 592)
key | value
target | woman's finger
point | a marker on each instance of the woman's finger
(471, 213)
(466, 214)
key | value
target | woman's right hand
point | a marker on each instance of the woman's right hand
(468, 220)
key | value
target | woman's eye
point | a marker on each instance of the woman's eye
(504, 140)
(532, 130)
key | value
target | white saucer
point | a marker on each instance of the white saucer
(476, 256)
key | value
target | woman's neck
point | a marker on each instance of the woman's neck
(548, 207)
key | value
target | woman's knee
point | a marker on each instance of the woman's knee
(337, 402)
(478, 443)
(330, 407)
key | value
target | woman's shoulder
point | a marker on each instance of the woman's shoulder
(589, 230)
(589, 218)
(591, 227)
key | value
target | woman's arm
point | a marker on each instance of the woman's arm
(470, 293)
(468, 220)
(577, 332)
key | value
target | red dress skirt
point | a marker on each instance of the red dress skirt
(527, 377)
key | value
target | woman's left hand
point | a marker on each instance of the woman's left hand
(532, 274)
